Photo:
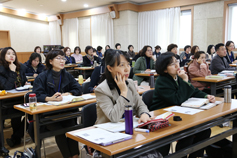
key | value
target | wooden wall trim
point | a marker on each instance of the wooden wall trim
(226, 18)
(27, 15)
(128, 6)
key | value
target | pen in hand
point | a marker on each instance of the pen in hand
(57, 96)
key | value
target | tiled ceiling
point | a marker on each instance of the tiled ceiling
(51, 7)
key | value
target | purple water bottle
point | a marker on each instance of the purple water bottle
(128, 120)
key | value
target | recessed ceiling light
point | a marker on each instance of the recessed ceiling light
(86, 5)
(21, 12)
(63, 0)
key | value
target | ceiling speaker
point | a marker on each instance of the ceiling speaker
(112, 14)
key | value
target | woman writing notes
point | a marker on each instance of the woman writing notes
(51, 85)
(173, 88)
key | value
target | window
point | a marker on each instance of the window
(185, 28)
(232, 23)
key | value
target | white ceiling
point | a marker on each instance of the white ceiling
(52, 7)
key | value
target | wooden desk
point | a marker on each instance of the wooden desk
(145, 74)
(217, 83)
(70, 65)
(189, 125)
(3, 116)
(142, 89)
(232, 65)
(31, 80)
(85, 70)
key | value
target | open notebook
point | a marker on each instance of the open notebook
(102, 137)
(71, 98)
(195, 102)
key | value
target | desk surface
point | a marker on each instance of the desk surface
(13, 95)
(146, 74)
(70, 65)
(203, 79)
(84, 68)
(232, 65)
(140, 138)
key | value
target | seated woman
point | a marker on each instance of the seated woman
(77, 55)
(230, 55)
(194, 49)
(38, 50)
(12, 75)
(198, 68)
(34, 66)
(89, 58)
(116, 90)
(173, 88)
(51, 85)
(97, 73)
(210, 52)
(70, 59)
(144, 63)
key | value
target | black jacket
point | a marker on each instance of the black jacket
(44, 85)
(87, 62)
(95, 77)
(73, 61)
(30, 71)
(219, 64)
(8, 77)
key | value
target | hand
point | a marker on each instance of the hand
(183, 75)
(120, 81)
(12, 66)
(148, 70)
(65, 94)
(27, 83)
(35, 75)
(144, 118)
(211, 98)
(94, 89)
(200, 61)
(234, 62)
(57, 97)
(184, 58)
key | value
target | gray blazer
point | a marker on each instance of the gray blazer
(217, 65)
(111, 106)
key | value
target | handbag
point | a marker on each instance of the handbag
(159, 123)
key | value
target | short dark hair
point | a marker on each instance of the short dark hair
(157, 47)
(94, 50)
(197, 54)
(187, 46)
(171, 46)
(209, 49)
(4, 63)
(164, 60)
(144, 49)
(117, 44)
(107, 46)
(99, 48)
(112, 57)
(77, 47)
(130, 46)
(37, 48)
(61, 47)
(51, 55)
(193, 49)
(218, 46)
(33, 56)
(88, 48)
(228, 44)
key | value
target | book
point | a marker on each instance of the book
(25, 87)
(70, 99)
(214, 77)
(195, 102)
(102, 137)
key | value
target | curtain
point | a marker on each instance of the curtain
(102, 30)
(54, 33)
(160, 27)
(70, 33)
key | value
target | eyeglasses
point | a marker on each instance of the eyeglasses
(59, 58)
(174, 63)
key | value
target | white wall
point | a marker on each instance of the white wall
(208, 24)
(25, 33)
(84, 33)
(125, 29)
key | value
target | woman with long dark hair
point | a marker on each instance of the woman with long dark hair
(229, 52)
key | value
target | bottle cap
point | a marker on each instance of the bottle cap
(128, 107)
(32, 95)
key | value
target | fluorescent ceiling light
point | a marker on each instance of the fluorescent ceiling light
(63, 0)
(21, 12)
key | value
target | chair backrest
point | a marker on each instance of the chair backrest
(89, 115)
(131, 73)
(85, 87)
(147, 97)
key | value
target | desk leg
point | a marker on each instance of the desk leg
(213, 89)
(234, 141)
(3, 150)
(84, 73)
(37, 134)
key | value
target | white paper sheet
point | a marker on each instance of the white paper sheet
(103, 137)
(14, 91)
(183, 110)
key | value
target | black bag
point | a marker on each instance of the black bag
(153, 153)
(221, 149)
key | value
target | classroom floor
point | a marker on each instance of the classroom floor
(52, 150)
